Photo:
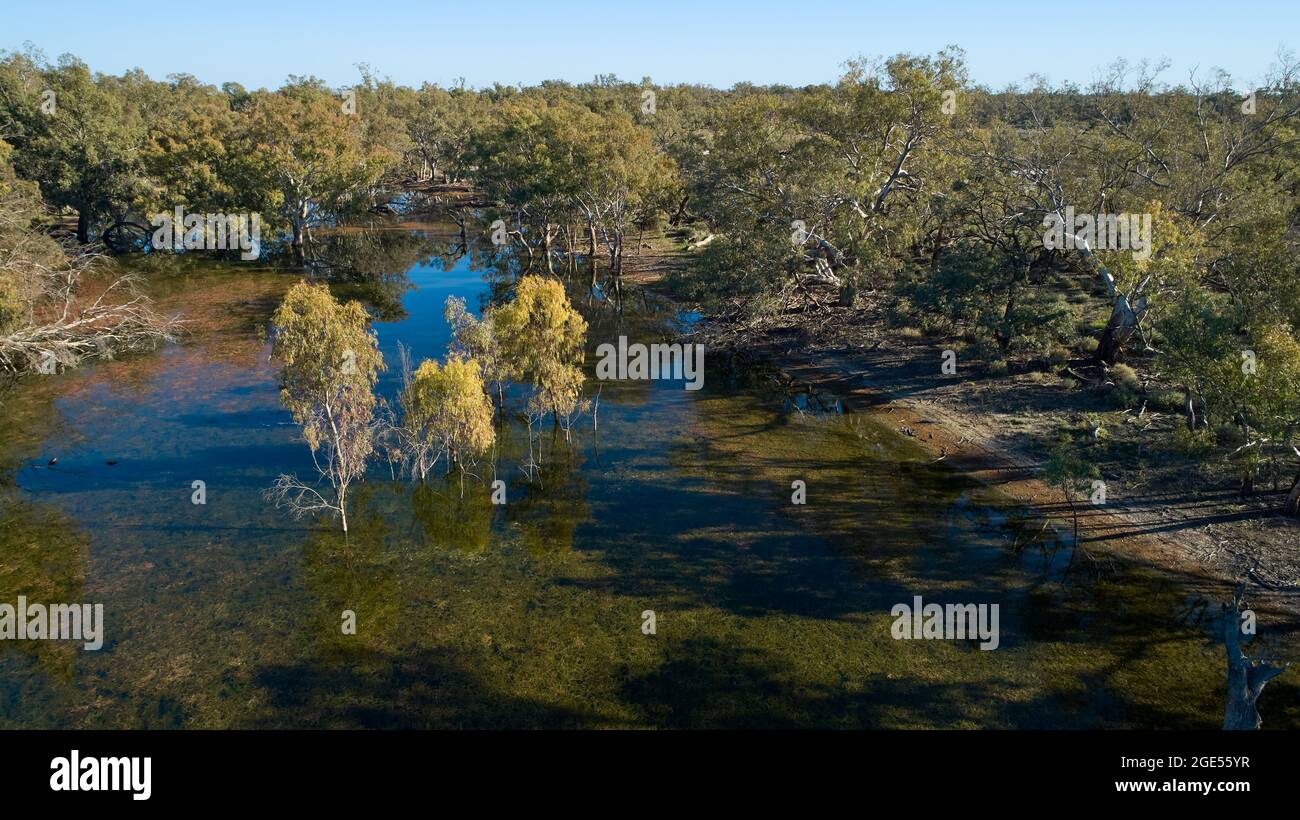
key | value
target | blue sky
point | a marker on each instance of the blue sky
(259, 43)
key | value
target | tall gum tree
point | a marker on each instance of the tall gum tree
(330, 362)
(306, 159)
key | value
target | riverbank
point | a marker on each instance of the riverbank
(1163, 507)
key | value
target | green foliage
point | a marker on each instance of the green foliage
(303, 158)
(554, 162)
(85, 146)
(476, 339)
(330, 358)
(330, 362)
(1248, 376)
(447, 410)
(542, 341)
(440, 122)
(1124, 393)
(25, 253)
(971, 287)
(1125, 376)
(904, 183)
(1069, 469)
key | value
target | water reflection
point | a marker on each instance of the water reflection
(548, 509)
(354, 581)
(454, 514)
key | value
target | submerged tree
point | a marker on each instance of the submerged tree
(330, 362)
(448, 413)
(476, 339)
(542, 341)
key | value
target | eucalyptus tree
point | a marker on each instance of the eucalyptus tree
(440, 122)
(741, 189)
(476, 338)
(447, 413)
(1131, 144)
(621, 176)
(529, 160)
(330, 362)
(306, 158)
(869, 139)
(834, 171)
(542, 338)
(384, 109)
(1236, 372)
(192, 134)
(79, 134)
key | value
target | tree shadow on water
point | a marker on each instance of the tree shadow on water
(426, 689)
(704, 683)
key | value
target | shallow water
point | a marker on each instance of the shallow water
(767, 613)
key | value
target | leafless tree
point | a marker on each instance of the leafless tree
(66, 321)
(1247, 677)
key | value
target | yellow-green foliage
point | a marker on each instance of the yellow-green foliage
(1125, 376)
(447, 407)
(1251, 377)
(331, 362)
(475, 338)
(1176, 247)
(1274, 390)
(542, 340)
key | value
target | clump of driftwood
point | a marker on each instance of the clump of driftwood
(74, 316)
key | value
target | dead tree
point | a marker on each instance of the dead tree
(1247, 677)
(1291, 506)
(66, 325)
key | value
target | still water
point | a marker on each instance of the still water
(530, 614)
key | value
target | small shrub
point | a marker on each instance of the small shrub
(1125, 376)
(1122, 397)
(1166, 401)
(1193, 445)
(900, 312)
(1228, 434)
(936, 325)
